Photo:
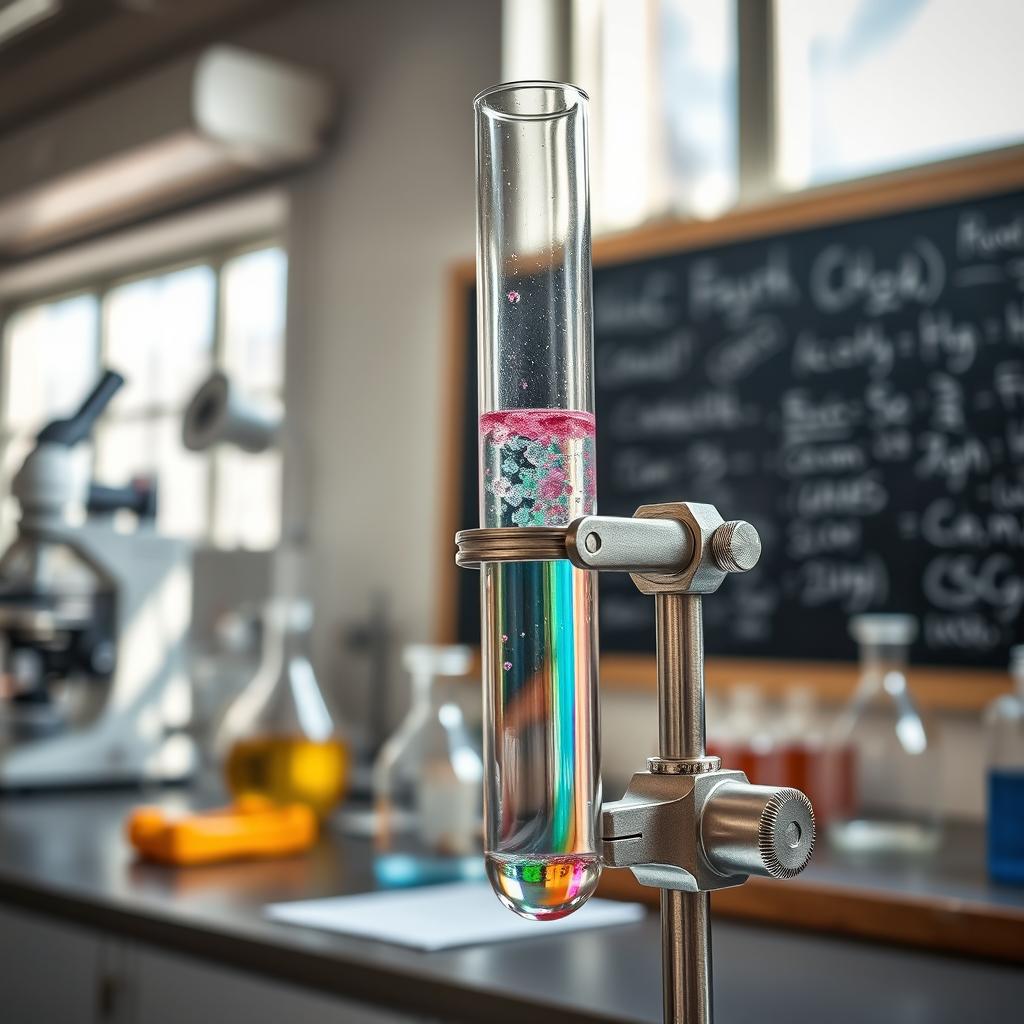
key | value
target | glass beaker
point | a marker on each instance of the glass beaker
(896, 804)
(537, 430)
(428, 779)
(278, 739)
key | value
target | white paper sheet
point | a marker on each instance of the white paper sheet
(442, 916)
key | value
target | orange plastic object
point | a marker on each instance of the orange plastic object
(252, 828)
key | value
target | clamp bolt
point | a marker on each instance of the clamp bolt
(735, 546)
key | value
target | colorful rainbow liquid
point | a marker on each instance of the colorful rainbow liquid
(538, 470)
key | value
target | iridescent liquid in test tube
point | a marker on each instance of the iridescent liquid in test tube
(537, 469)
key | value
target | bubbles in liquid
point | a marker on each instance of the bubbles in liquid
(543, 888)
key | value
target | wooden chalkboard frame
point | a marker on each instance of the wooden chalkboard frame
(959, 689)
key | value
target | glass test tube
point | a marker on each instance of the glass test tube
(542, 788)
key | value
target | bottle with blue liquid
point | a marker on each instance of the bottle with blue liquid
(1004, 722)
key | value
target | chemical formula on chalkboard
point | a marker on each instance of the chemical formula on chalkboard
(857, 392)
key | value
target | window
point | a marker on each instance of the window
(164, 333)
(158, 333)
(247, 510)
(52, 350)
(662, 80)
(832, 90)
(869, 85)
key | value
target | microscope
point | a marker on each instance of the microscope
(93, 626)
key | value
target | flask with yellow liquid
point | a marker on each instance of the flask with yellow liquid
(278, 739)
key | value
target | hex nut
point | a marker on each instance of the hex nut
(702, 575)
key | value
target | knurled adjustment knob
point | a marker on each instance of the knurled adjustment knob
(785, 836)
(757, 830)
(735, 546)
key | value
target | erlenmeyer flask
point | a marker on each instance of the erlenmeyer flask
(278, 739)
(428, 780)
(896, 807)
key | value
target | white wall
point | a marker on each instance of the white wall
(374, 227)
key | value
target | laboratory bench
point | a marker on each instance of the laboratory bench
(943, 903)
(88, 934)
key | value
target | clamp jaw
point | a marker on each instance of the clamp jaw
(696, 833)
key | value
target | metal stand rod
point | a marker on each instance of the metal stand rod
(685, 918)
(680, 675)
(686, 957)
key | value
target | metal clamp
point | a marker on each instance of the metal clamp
(698, 833)
(686, 826)
(673, 544)
(509, 544)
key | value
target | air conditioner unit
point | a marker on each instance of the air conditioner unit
(187, 129)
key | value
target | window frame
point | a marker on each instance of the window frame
(216, 257)
(757, 175)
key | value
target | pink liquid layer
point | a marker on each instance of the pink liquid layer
(537, 466)
(552, 425)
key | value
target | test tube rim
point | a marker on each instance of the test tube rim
(575, 99)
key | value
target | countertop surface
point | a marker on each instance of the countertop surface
(64, 855)
(956, 872)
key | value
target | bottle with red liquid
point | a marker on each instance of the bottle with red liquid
(744, 740)
(808, 762)
(800, 743)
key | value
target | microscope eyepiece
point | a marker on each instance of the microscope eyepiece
(77, 427)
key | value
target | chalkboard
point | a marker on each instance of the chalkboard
(856, 390)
